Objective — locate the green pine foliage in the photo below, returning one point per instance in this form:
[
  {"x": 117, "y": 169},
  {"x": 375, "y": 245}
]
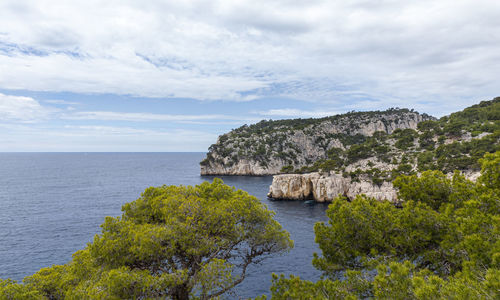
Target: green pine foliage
[
  {"x": 435, "y": 145},
  {"x": 174, "y": 242},
  {"x": 441, "y": 242}
]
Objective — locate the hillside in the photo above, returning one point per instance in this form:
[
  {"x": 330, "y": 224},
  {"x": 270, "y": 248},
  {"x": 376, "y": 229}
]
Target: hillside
[
  {"x": 273, "y": 147},
  {"x": 359, "y": 143},
  {"x": 453, "y": 142}
]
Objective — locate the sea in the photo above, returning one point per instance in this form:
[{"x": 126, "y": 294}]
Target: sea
[{"x": 52, "y": 204}]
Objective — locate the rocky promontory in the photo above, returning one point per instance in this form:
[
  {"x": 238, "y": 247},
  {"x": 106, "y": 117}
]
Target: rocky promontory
[{"x": 267, "y": 147}]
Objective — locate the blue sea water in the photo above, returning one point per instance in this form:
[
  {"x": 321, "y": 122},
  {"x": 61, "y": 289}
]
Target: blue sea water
[{"x": 51, "y": 205}]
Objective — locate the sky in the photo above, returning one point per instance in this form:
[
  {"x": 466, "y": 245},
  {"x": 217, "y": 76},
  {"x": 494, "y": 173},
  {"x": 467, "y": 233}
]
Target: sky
[{"x": 173, "y": 75}]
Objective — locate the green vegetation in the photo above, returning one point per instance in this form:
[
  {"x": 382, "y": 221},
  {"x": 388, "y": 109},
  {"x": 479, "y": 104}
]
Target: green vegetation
[
  {"x": 175, "y": 242},
  {"x": 422, "y": 149},
  {"x": 442, "y": 242},
  {"x": 404, "y": 138},
  {"x": 454, "y": 142},
  {"x": 269, "y": 126},
  {"x": 460, "y": 154}
]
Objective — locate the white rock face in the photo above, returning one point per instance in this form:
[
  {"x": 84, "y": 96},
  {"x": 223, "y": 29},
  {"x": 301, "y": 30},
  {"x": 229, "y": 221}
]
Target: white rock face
[
  {"x": 243, "y": 167},
  {"x": 325, "y": 187}
]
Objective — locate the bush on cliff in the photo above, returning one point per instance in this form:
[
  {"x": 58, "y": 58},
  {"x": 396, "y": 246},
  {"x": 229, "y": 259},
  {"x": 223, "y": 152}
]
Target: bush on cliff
[
  {"x": 443, "y": 243},
  {"x": 173, "y": 242}
]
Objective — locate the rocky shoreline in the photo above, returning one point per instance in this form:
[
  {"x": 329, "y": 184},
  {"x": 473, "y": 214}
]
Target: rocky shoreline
[{"x": 326, "y": 187}]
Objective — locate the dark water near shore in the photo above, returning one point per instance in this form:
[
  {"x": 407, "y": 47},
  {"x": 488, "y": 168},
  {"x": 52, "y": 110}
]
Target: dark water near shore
[{"x": 53, "y": 203}]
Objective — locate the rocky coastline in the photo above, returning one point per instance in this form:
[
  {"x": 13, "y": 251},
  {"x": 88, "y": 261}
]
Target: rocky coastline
[{"x": 326, "y": 187}]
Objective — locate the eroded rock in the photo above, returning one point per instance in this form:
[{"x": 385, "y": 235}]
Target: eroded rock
[{"x": 325, "y": 187}]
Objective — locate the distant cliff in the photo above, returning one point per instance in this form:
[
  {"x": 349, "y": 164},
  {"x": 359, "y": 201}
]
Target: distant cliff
[
  {"x": 358, "y": 152},
  {"x": 271, "y": 147}
]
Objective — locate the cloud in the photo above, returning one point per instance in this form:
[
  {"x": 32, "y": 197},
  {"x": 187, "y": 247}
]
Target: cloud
[
  {"x": 297, "y": 113},
  {"x": 21, "y": 109},
  {"x": 147, "y": 117},
  {"x": 324, "y": 51},
  {"x": 90, "y": 130},
  {"x": 62, "y": 102}
]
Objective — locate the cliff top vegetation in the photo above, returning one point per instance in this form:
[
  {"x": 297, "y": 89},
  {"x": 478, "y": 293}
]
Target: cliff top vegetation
[{"x": 267, "y": 126}]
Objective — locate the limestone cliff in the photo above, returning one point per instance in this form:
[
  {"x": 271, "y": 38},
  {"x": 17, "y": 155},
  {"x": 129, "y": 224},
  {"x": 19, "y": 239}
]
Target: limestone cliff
[
  {"x": 325, "y": 187},
  {"x": 267, "y": 147}
]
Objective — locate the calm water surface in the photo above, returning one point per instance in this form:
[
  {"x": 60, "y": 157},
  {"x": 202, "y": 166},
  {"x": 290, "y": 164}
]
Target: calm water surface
[{"x": 53, "y": 203}]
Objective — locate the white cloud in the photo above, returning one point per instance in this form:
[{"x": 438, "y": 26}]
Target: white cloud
[
  {"x": 90, "y": 130},
  {"x": 146, "y": 117},
  {"x": 21, "y": 109},
  {"x": 394, "y": 51},
  {"x": 62, "y": 102},
  {"x": 297, "y": 113}
]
